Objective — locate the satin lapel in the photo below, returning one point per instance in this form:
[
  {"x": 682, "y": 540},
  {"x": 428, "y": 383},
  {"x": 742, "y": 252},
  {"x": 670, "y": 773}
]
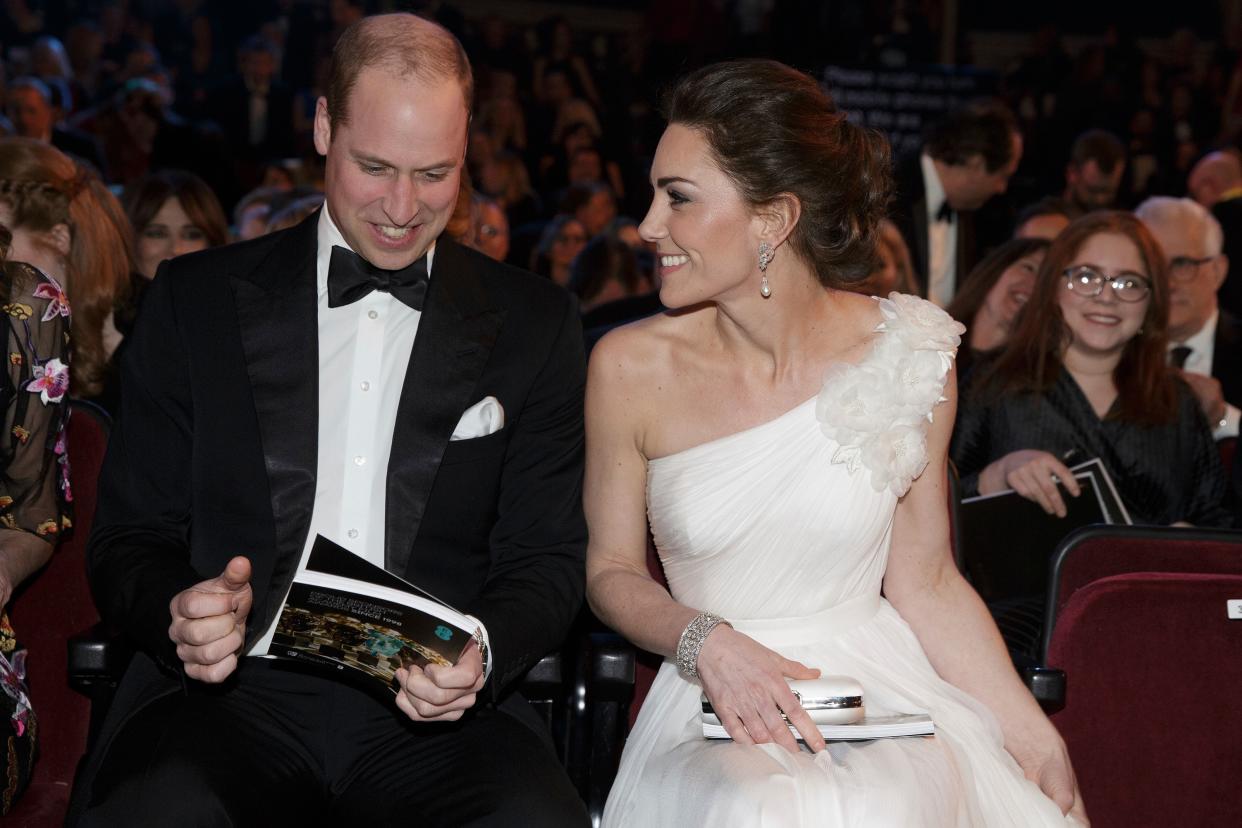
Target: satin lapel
[
  {"x": 277, "y": 312},
  {"x": 456, "y": 333}
]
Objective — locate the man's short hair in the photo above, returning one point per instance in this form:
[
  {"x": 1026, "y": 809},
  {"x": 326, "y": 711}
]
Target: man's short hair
[
  {"x": 1100, "y": 146},
  {"x": 1165, "y": 210},
  {"x": 1047, "y": 206},
  {"x": 983, "y": 128},
  {"x": 402, "y": 43},
  {"x": 258, "y": 43}
]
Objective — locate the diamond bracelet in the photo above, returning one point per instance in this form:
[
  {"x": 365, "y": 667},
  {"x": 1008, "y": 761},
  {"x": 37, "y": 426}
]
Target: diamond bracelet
[{"x": 691, "y": 642}]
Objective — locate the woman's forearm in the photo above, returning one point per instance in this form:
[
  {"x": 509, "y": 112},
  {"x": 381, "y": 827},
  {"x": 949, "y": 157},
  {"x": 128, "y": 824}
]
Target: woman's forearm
[
  {"x": 639, "y": 609},
  {"x": 963, "y": 644}
]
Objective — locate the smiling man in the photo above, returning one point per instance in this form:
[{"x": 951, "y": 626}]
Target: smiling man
[{"x": 359, "y": 377}]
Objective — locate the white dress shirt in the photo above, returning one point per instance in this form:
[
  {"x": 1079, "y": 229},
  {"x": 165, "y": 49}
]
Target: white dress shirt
[
  {"x": 941, "y": 238},
  {"x": 1202, "y": 350},
  {"x": 364, "y": 350}
]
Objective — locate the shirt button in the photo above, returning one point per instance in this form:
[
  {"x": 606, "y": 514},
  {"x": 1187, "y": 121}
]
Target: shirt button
[
  {"x": 353, "y": 533},
  {"x": 359, "y": 460},
  {"x": 373, "y": 314},
  {"x": 364, "y": 385}
]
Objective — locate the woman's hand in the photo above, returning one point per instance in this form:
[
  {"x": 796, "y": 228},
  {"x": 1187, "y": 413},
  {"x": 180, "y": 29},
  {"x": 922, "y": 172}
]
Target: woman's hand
[
  {"x": 1050, "y": 769},
  {"x": 745, "y": 682},
  {"x": 1032, "y": 474}
]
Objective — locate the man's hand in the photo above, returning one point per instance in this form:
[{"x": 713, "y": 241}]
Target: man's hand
[
  {"x": 441, "y": 694},
  {"x": 1207, "y": 392},
  {"x": 209, "y": 622}
]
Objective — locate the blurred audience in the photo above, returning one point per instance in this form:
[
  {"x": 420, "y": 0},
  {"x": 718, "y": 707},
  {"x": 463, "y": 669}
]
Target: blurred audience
[
  {"x": 489, "y": 228},
  {"x": 1095, "y": 169},
  {"x": 561, "y": 240},
  {"x": 606, "y": 270}
]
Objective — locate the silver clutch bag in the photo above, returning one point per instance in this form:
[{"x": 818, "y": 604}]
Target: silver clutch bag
[{"x": 828, "y": 700}]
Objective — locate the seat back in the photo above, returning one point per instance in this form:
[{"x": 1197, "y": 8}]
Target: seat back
[
  {"x": 1228, "y": 447},
  {"x": 55, "y": 604},
  {"x": 1096, "y": 552},
  {"x": 1151, "y": 719}
]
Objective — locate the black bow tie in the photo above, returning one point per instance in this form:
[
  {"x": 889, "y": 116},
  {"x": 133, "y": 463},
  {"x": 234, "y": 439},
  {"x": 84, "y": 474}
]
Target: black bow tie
[
  {"x": 351, "y": 277},
  {"x": 1179, "y": 355},
  {"x": 945, "y": 213}
]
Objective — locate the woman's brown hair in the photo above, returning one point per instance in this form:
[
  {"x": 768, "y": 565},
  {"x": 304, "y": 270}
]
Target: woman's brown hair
[
  {"x": 144, "y": 199},
  {"x": 775, "y": 131},
  {"x": 43, "y": 188},
  {"x": 1032, "y": 360}
]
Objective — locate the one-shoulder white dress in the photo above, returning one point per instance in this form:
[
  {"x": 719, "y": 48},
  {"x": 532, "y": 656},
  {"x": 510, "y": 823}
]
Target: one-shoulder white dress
[{"x": 785, "y": 529}]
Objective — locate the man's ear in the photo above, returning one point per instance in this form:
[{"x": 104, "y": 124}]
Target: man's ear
[
  {"x": 778, "y": 218},
  {"x": 1221, "y": 270},
  {"x": 323, "y": 126},
  {"x": 61, "y": 239}
]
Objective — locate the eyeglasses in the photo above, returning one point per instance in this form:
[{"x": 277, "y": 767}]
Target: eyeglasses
[
  {"x": 1184, "y": 269},
  {"x": 1087, "y": 281}
]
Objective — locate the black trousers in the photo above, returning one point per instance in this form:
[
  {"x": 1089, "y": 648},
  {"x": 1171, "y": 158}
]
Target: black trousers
[{"x": 278, "y": 747}]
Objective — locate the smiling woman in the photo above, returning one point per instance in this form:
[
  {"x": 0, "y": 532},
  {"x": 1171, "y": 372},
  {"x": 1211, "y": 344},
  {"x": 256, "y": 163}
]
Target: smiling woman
[
  {"x": 992, "y": 295},
  {"x": 1085, "y": 373}
]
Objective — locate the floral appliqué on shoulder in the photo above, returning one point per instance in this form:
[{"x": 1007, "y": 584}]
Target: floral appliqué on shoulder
[{"x": 878, "y": 410}]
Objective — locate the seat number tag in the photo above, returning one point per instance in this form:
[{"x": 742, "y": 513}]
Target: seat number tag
[{"x": 1234, "y": 607}]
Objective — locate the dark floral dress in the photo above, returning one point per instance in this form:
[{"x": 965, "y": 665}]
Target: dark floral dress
[{"x": 34, "y": 475}]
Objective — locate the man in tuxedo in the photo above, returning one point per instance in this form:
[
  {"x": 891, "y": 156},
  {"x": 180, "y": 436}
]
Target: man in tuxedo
[
  {"x": 361, "y": 377},
  {"x": 1205, "y": 342},
  {"x": 966, "y": 160},
  {"x": 1216, "y": 183},
  {"x": 255, "y": 111}
]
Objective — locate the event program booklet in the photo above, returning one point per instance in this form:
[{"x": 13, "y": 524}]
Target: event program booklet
[
  {"x": 1009, "y": 540},
  {"x": 345, "y": 613},
  {"x": 871, "y": 727}
]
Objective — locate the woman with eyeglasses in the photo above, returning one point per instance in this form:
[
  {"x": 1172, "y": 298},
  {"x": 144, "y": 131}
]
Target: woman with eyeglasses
[{"x": 1085, "y": 375}]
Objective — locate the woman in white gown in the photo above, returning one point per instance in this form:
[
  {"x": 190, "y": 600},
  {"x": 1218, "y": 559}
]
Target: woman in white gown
[{"x": 787, "y": 439}]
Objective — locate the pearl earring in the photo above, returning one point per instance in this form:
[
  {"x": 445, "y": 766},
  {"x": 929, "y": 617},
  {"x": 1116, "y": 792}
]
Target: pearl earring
[{"x": 765, "y": 258}]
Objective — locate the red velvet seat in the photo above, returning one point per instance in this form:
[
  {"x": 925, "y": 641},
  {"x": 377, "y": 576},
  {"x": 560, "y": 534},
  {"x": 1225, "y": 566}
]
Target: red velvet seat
[
  {"x": 55, "y": 604},
  {"x": 1096, "y": 552},
  {"x": 1152, "y": 717}
]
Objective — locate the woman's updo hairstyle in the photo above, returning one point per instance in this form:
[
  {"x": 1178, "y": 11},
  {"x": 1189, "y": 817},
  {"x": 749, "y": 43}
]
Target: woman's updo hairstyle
[{"x": 774, "y": 130}]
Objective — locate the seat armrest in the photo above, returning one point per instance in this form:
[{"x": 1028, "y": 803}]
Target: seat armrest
[
  {"x": 96, "y": 656},
  {"x": 1047, "y": 685}
]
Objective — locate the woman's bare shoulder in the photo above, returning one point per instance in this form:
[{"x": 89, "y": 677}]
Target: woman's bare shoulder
[{"x": 646, "y": 350}]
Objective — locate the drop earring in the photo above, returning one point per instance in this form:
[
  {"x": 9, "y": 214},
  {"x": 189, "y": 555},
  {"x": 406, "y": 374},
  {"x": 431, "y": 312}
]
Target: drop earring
[{"x": 765, "y": 258}]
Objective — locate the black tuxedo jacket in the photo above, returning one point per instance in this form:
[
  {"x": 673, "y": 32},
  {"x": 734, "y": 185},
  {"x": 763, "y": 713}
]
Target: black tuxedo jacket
[
  {"x": 214, "y": 453},
  {"x": 1229, "y": 214},
  {"x": 1227, "y": 357},
  {"x": 977, "y": 230}
]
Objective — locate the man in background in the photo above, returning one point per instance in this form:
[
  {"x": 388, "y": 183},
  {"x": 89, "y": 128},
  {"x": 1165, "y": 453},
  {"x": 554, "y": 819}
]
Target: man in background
[
  {"x": 940, "y": 193},
  {"x": 1205, "y": 342}
]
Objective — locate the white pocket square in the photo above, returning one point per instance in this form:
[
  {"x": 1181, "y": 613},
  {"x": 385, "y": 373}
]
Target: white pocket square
[{"x": 481, "y": 419}]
